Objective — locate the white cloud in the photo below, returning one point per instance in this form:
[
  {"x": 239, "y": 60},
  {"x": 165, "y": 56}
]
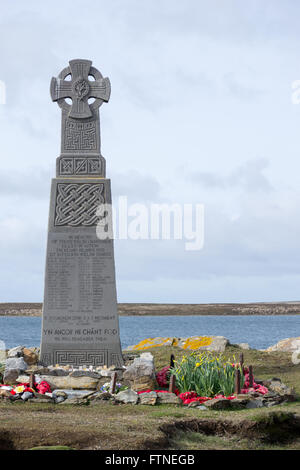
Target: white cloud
[{"x": 200, "y": 112}]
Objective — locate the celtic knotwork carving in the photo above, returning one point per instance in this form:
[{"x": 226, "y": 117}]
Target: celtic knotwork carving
[
  {"x": 79, "y": 166},
  {"x": 80, "y": 89},
  {"x": 80, "y": 136},
  {"x": 76, "y": 204},
  {"x": 79, "y": 357}
]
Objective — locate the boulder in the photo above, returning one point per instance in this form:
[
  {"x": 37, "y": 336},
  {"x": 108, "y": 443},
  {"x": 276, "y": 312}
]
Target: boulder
[
  {"x": 141, "y": 373},
  {"x": 15, "y": 352},
  {"x": 152, "y": 343},
  {"x": 168, "y": 398},
  {"x": 239, "y": 403},
  {"x": 288, "y": 344},
  {"x": 243, "y": 346},
  {"x": 79, "y": 383},
  {"x": 204, "y": 343},
  {"x": 280, "y": 389},
  {"x": 148, "y": 398},
  {"x": 127, "y": 396},
  {"x": 13, "y": 367},
  {"x": 30, "y": 356},
  {"x": 4, "y": 394},
  {"x": 16, "y": 363},
  {"x": 218, "y": 404}
]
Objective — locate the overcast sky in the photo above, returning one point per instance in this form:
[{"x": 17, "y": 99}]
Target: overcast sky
[{"x": 200, "y": 112}]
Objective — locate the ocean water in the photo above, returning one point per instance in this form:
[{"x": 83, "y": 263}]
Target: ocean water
[{"x": 259, "y": 331}]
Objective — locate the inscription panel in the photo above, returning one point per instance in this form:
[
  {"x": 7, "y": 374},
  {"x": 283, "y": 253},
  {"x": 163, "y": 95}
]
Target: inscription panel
[{"x": 80, "y": 321}]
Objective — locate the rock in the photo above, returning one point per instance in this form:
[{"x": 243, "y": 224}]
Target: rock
[
  {"x": 152, "y": 343},
  {"x": 243, "y": 346},
  {"x": 4, "y": 394},
  {"x": 15, "y": 352},
  {"x": 16, "y": 363},
  {"x": 100, "y": 396},
  {"x": 11, "y": 375},
  {"x": 59, "y": 393},
  {"x": 75, "y": 401},
  {"x": 204, "y": 343},
  {"x": 30, "y": 357},
  {"x": 85, "y": 373},
  {"x": 276, "y": 387},
  {"x": 36, "y": 369},
  {"x": 13, "y": 367},
  {"x": 239, "y": 403},
  {"x": 55, "y": 372},
  {"x": 141, "y": 373},
  {"x": 257, "y": 403},
  {"x": 38, "y": 400},
  {"x": 218, "y": 404},
  {"x": 288, "y": 344},
  {"x": 148, "y": 398},
  {"x": 127, "y": 396},
  {"x": 66, "y": 382},
  {"x": 26, "y": 395},
  {"x": 168, "y": 398},
  {"x": 70, "y": 393},
  {"x": 209, "y": 343},
  {"x": 59, "y": 399}
]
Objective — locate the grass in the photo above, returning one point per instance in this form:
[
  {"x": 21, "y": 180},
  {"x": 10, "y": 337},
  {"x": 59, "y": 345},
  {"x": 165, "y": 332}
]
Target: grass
[{"x": 108, "y": 426}]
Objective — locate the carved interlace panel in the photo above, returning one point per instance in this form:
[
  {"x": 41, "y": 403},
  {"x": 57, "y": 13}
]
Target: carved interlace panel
[
  {"x": 80, "y": 135},
  {"x": 81, "y": 357},
  {"x": 79, "y": 166},
  {"x": 77, "y": 203}
]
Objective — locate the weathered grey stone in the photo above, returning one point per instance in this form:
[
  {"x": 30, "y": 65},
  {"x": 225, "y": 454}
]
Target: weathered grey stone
[
  {"x": 149, "y": 398},
  {"x": 30, "y": 356},
  {"x": 59, "y": 399},
  {"x": 168, "y": 398},
  {"x": 16, "y": 363},
  {"x": 10, "y": 376},
  {"x": 70, "y": 393},
  {"x": 243, "y": 346},
  {"x": 127, "y": 396},
  {"x": 66, "y": 382},
  {"x": 85, "y": 373},
  {"x": 26, "y": 395},
  {"x": 288, "y": 344},
  {"x": 255, "y": 403},
  {"x": 141, "y": 373},
  {"x": 151, "y": 343},
  {"x": 218, "y": 404},
  {"x": 80, "y": 318},
  {"x": 239, "y": 403},
  {"x": 13, "y": 367},
  {"x": 204, "y": 343},
  {"x": 15, "y": 352}
]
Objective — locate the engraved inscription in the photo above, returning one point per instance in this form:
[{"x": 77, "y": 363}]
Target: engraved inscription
[{"x": 76, "y": 204}]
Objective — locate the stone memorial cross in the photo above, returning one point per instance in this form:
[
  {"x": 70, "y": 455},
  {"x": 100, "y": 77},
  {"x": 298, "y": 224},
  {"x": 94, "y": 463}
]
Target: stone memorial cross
[{"x": 80, "y": 321}]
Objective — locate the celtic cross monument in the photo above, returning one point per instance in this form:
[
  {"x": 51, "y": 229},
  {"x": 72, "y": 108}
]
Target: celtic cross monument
[{"x": 80, "y": 320}]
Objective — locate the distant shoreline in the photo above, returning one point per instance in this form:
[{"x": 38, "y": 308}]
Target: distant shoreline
[{"x": 141, "y": 309}]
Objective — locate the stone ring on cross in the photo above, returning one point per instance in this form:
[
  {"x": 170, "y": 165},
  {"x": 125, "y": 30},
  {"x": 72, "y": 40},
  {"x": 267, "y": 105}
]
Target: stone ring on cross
[{"x": 80, "y": 89}]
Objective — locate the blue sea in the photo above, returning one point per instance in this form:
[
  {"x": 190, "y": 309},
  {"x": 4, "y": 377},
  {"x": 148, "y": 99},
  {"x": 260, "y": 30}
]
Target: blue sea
[{"x": 259, "y": 331}]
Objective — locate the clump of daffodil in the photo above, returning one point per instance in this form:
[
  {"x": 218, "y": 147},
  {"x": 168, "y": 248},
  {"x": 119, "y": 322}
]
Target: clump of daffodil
[{"x": 206, "y": 374}]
